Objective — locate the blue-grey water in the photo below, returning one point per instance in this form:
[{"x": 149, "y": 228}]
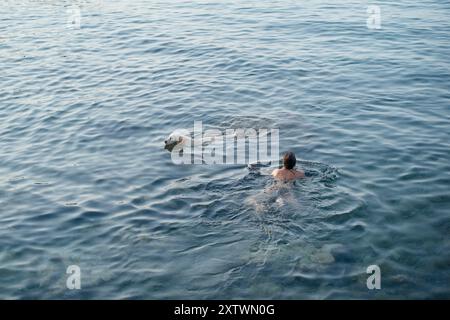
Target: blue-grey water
[{"x": 85, "y": 180}]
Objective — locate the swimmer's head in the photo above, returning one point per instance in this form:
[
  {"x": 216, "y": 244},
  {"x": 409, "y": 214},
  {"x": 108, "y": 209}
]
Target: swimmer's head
[{"x": 289, "y": 160}]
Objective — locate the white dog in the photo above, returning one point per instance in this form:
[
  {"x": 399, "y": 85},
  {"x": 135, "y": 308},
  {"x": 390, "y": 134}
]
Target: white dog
[{"x": 178, "y": 137}]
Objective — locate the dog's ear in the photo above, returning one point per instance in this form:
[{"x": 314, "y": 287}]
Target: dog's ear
[{"x": 180, "y": 139}]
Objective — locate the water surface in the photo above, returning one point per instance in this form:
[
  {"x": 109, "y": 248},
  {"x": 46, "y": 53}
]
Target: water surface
[{"x": 84, "y": 178}]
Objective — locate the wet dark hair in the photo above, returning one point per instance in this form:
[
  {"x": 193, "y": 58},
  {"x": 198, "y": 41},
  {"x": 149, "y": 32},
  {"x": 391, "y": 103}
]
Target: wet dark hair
[{"x": 289, "y": 160}]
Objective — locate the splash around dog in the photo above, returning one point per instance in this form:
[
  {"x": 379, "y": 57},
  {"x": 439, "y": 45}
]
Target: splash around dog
[{"x": 231, "y": 146}]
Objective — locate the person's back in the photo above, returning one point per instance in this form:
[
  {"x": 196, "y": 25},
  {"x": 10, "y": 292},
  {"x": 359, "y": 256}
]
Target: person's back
[{"x": 288, "y": 173}]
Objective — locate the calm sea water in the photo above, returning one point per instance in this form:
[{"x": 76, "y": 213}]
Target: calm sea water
[{"x": 84, "y": 178}]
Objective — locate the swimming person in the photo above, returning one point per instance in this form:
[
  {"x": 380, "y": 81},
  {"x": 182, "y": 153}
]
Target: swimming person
[{"x": 288, "y": 173}]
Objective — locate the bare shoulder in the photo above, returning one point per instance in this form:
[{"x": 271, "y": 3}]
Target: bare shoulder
[
  {"x": 299, "y": 174},
  {"x": 275, "y": 172}
]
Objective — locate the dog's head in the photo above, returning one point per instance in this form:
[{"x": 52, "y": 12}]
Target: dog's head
[{"x": 174, "y": 139}]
